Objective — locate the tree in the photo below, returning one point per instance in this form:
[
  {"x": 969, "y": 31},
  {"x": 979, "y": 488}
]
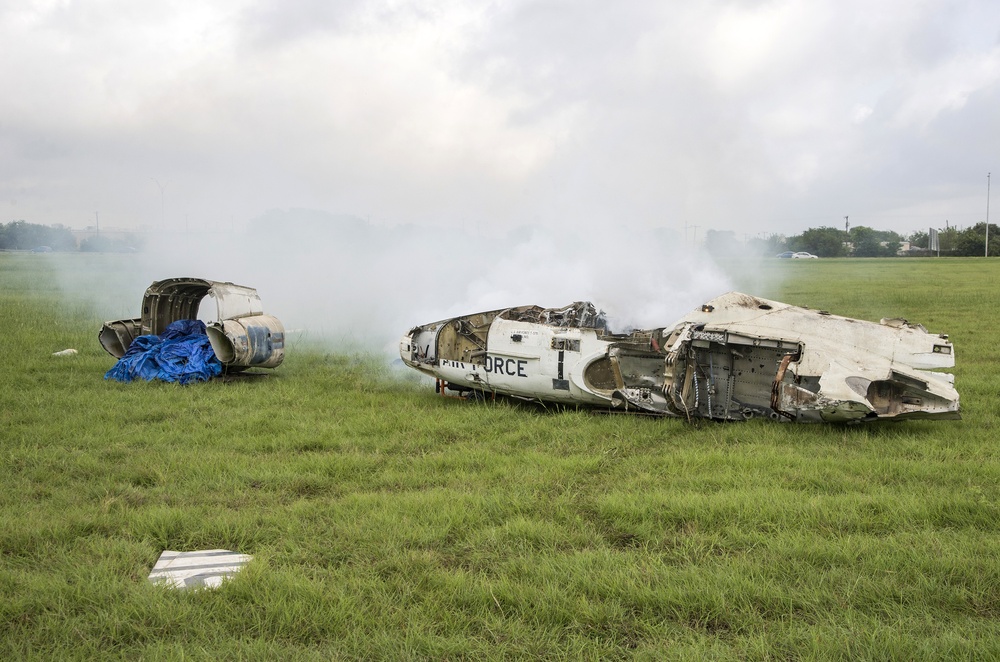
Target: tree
[
  {"x": 919, "y": 239},
  {"x": 869, "y": 242},
  {"x": 948, "y": 239},
  {"x": 722, "y": 243},
  {"x": 972, "y": 241},
  {"x": 824, "y": 242},
  {"x": 21, "y": 235},
  {"x": 769, "y": 245}
]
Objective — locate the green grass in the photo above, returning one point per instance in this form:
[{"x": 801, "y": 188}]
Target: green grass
[{"x": 389, "y": 523}]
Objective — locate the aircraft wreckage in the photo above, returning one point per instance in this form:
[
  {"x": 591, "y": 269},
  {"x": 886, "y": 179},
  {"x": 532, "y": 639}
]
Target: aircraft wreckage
[
  {"x": 735, "y": 358},
  {"x": 242, "y": 335}
]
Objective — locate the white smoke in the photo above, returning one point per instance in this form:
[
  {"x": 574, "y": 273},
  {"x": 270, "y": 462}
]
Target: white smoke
[{"x": 350, "y": 284}]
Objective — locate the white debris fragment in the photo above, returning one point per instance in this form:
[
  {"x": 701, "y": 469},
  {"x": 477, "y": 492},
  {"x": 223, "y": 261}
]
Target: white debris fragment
[
  {"x": 65, "y": 352},
  {"x": 205, "y": 568}
]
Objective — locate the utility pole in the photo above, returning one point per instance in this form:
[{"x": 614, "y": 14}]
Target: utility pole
[
  {"x": 987, "y": 253},
  {"x": 97, "y": 219}
]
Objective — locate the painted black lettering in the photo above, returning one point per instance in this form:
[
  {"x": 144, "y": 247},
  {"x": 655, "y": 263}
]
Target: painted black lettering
[{"x": 501, "y": 366}]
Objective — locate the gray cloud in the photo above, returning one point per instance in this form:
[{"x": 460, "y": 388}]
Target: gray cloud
[{"x": 765, "y": 116}]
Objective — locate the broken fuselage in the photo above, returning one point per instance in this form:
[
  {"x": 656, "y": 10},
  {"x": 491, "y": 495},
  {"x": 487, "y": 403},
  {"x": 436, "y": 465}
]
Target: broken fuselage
[
  {"x": 242, "y": 335},
  {"x": 736, "y": 357}
]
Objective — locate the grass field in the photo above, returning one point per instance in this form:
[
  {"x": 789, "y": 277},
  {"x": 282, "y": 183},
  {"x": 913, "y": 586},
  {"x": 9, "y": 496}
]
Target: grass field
[{"x": 388, "y": 523}]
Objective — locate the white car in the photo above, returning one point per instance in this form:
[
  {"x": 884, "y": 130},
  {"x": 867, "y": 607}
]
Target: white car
[{"x": 804, "y": 255}]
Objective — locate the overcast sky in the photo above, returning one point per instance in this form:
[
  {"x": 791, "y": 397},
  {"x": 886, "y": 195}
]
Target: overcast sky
[{"x": 751, "y": 116}]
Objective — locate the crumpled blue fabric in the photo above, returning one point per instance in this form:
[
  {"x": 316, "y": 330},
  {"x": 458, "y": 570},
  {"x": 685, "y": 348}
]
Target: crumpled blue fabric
[{"x": 181, "y": 354}]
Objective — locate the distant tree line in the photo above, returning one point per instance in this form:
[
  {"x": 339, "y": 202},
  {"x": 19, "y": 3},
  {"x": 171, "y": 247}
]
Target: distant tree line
[
  {"x": 21, "y": 235},
  {"x": 952, "y": 241},
  {"x": 859, "y": 241},
  {"x": 24, "y": 236}
]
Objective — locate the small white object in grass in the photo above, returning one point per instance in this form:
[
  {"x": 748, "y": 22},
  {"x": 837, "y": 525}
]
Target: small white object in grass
[
  {"x": 65, "y": 352},
  {"x": 205, "y": 568}
]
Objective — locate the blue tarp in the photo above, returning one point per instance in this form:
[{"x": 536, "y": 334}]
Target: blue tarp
[{"x": 182, "y": 354}]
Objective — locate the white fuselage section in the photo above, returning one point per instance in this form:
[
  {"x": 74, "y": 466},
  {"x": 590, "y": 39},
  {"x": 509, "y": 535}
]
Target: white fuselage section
[{"x": 521, "y": 359}]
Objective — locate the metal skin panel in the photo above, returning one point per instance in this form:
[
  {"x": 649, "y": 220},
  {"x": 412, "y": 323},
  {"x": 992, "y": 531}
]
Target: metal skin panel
[
  {"x": 529, "y": 365},
  {"x": 838, "y": 359},
  {"x": 518, "y": 357},
  {"x": 173, "y": 299},
  {"x": 233, "y": 301},
  {"x": 736, "y": 357},
  {"x": 116, "y": 336},
  {"x": 249, "y": 342}
]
